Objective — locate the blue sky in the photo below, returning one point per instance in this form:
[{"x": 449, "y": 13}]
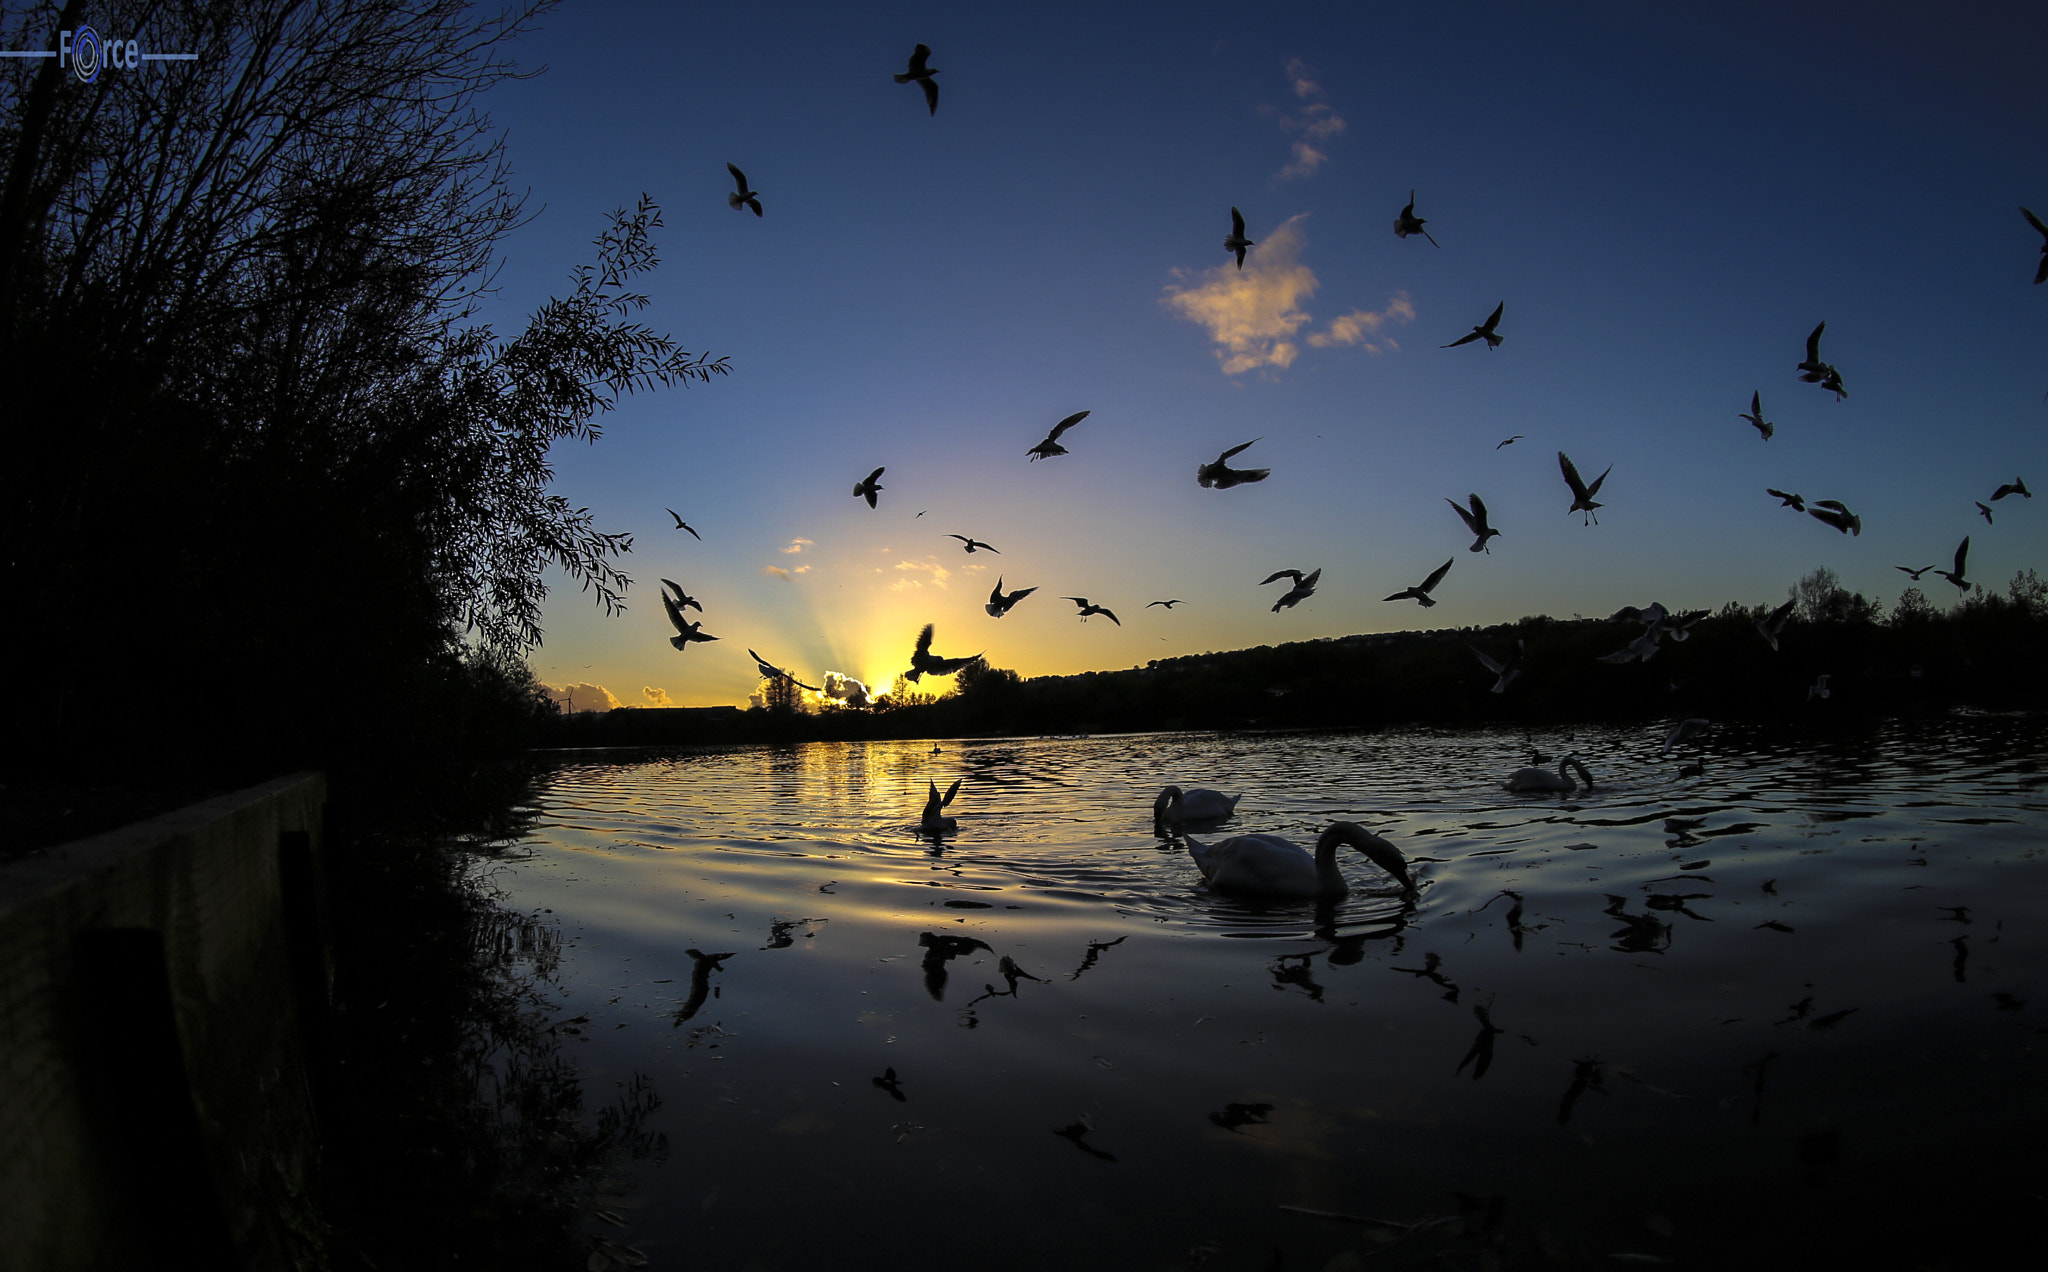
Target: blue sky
[{"x": 1666, "y": 203}]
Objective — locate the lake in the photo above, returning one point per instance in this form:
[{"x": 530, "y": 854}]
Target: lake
[{"x": 1782, "y": 1013}]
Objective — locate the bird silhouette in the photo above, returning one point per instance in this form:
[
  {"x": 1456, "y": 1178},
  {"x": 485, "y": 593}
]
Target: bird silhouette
[
  {"x": 686, "y": 632},
  {"x": 1956, "y": 576},
  {"x": 1304, "y": 587},
  {"x": 1836, "y": 513},
  {"x": 1913, "y": 572},
  {"x": 999, "y": 604},
  {"x": 972, "y": 544},
  {"x": 1051, "y": 445},
  {"x": 1237, "y": 242},
  {"x": 1770, "y": 626},
  {"x": 1984, "y": 509},
  {"x": 1484, "y": 331},
  {"x": 2041, "y": 274},
  {"x": 931, "y": 823},
  {"x": 1420, "y": 592},
  {"x": 1582, "y": 494},
  {"x": 1505, "y": 671},
  {"x": 1088, "y": 607},
  {"x": 2017, "y": 486},
  {"x": 1537, "y": 781},
  {"x": 1408, "y": 223},
  {"x": 924, "y": 662},
  {"x": 870, "y": 487},
  {"x": 918, "y": 71},
  {"x": 682, "y": 525},
  {"x": 1814, "y": 371},
  {"x": 1512, "y": 440},
  {"x": 742, "y": 197},
  {"x": 1168, "y": 604},
  {"x": 1796, "y": 503},
  {"x": 1221, "y": 476},
  {"x": 1269, "y": 866},
  {"x": 683, "y": 599},
  {"x": 1684, "y": 731},
  {"x": 773, "y": 672},
  {"x": 1475, "y": 521},
  {"x": 1197, "y": 803},
  {"x": 1756, "y": 415}
]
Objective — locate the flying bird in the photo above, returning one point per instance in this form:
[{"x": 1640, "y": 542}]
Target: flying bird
[
  {"x": 1237, "y": 242},
  {"x": 1516, "y": 438},
  {"x": 1304, "y": 587},
  {"x": 1913, "y": 572},
  {"x": 1836, "y": 513},
  {"x": 871, "y": 487},
  {"x": 1756, "y": 415},
  {"x": 773, "y": 672},
  {"x": 972, "y": 544},
  {"x": 1088, "y": 607},
  {"x": 1051, "y": 445},
  {"x": 923, "y": 662},
  {"x": 931, "y": 823},
  {"x": 1985, "y": 509},
  {"x": 683, "y": 599},
  {"x": 1420, "y": 592},
  {"x": 1684, "y": 731},
  {"x": 1170, "y": 604},
  {"x": 1814, "y": 371},
  {"x": 1796, "y": 503},
  {"x": 686, "y": 631},
  {"x": 1962, "y": 550},
  {"x": 1409, "y": 223},
  {"x": 742, "y": 197},
  {"x": 1221, "y": 476},
  {"x": 1770, "y": 627},
  {"x": 918, "y": 71},
  {"x": 1475, "y": 521},
  {"x": 1484, "y": 331},
  {"x": 999, "y": 604},
  {"x": 2041, "y": 274},
  {"x": 1506, "y": 671},
  {"x": 682, "y": 525},
  {"x": 1582, "y": 494},
  {"x": 2017, "y": 486}
]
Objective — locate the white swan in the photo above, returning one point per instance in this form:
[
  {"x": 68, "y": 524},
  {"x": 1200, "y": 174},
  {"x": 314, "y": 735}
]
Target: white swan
[
  {"x": 1535, "y": 780},
  {"x": 1267, "y": 865},
  {"x": 1198, "y": 804}
]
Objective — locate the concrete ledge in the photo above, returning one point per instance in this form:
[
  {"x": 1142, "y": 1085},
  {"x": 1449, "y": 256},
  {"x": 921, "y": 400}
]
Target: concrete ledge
[{"x": 157, "y": 983}]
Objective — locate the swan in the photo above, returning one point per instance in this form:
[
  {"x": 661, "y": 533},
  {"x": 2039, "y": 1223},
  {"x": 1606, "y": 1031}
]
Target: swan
[
  {"x": 1267, "y": 865},
  {"x": 1198, "y": 804},
  {"x": 933, "y": 824},
  {"x": 1543, "y": 781}
]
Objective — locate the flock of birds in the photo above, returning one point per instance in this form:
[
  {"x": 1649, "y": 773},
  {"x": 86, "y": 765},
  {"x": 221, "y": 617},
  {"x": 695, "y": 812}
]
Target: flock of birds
[{"x": 1219, "y": 475}]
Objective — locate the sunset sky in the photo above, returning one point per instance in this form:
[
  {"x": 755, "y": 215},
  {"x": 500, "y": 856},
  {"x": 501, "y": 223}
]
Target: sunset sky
[{"x": 1666, "y": 202}]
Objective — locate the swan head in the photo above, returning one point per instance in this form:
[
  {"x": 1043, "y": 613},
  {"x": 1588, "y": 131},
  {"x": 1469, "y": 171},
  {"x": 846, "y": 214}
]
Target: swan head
[
  {"x": 1167, "y": 799},
  {"x": 1379, "y": 851}
]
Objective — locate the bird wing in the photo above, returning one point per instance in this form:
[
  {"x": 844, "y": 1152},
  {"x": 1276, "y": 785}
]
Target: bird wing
[
  {"x": 1571, "y": 476},
  {"x": 1813, "y": 343},
  {"x": 1459, "y": 341},
  {"x": 1021, "y": 593},
  {"x": 1066, "y": 424},
  {"x": 738, "y": 176},
  {"x": 1486, "y": 661},
  {"x": 875, "y": 476},
  {"x": 1236, "y": 223},
  {"x": 951, "y": 791},
  {"x": 675, "y": 614},
  {"x": 1081, "y": 601},
  {"x": 1409, "y": 211},
  {"x": 1494, "y": 317},
  {"x": 1756, "y": 404},
  {"x": 1962, "y": 550},
  {"x": 1773, "y": 490},
  {"x": 924, "y": 641},
  {"x": 1480, "y": 508},
  {"x": 1594, "y": 489},
  {"x": 917, "y": 59},
  {"x": 963, "y": 538},
  {"x": 1309, "y": 583},
  {"x": 1836, "y": 504},
  {"x": 1516, "y": 438},
  {"x": 1235, "y": 449},
  {"x": 995, "y": 594},
  {"x": 1779, "y": 614},
  {"x": 2035, "y": 221},
  {"x": 931, "y": 95},
  {"x": 1108, "y": 615},
  {"x": 1277, "y": 574},
  {"x": 1471, "y": 522},
  {"x": 1436, "y": 576}
]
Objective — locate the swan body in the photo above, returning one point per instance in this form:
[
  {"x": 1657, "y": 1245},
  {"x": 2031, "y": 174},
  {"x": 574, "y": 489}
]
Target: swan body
[
  {"x": 1542, "y": 781},
  {"x": 1267, "y": 865},
  {"x": 1197, "y": 804}
]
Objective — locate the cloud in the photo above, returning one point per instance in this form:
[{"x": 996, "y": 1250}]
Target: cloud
[
  {"x": 584, "y": 696},
  {"x": 796, "y": 546},
  {"x": 1251, "y": 313},
  {"x": 659, "y": 697},
  {"x": 775, "y": 570},
  {"x": 1312, "y": 126},
  {"x": 844, "y": 688},
  {"x": 1360, "y": 325},
  {"x": 935, "y": 573}
]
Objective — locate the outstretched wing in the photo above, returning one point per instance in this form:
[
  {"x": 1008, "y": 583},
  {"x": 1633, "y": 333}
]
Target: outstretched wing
[
  {"x": 1436, "y": 576},
  {"x": 1111, "y": 617},
  {"x": 1066, "y": 424},
  {"x": 1494, "y": 317},
  {"x": 738, "y": 176},
  {"x": 1236, "y": 224},
  {"x": 917, "y": 59},
  {"x": 1277, "y": 574},
  {"x": 675, "y": 614},
  {"x": 2035, "y": 221},
  {"x": 1021, "y": 593},
  {"x": 1486, "y": 661},
  {"x": 951, "y": 791},
  {"x": 1594, "y": 489},
  {"x": 924, "y": 641},
  {"x": 1235, "y": 449},
  {"x": 1571, "y": 476},
  {"x": 1309, "y": 582},
  {"x": 1962, "y": 550},
  {"x": 1460, "y": 340},
  {"x": 1813, "y": 343},
  {"x": 1471, "y": 522},
  {"x": 931, "y": 95}
]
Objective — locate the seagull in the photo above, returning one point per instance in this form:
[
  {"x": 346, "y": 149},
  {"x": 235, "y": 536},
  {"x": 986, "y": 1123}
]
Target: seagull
[
  {"x": 1483, "y": 331},
  {"x": 1087, "y": 608},
  {"x": 931, "y": 823},
  {"x": 1796, "y": 503},
  {"x": 1237, "y": 242},
  {"x": 1170, "y": 604},
  {"x": 1962, "y": 550},
  {"x": 1409, "y": 223},
  {"x": 1516, "y": 438},
  {"x": 972, "y": 544},
  {"x": 683, "y": 599},
  {"x": 1985, "y": 508},
  {"x": 1680, "y": 627},
  {"x": 917, "y": 70},
  {"x": 871, "y": 487},
  {"x": 774, "y": 672},
  {"x": 681, "y": 525},
  {"x": 1475, "y": 521},
  {"x": 1814, "y": 371},
  {"x": 1770, "y": 627},
  {"x": 742, "y": 197},
  {"x": 1420, "y": 592},
  {"x": 1683, "y": 731},
  {"x": 923, "y": 662},
  {"x": 1818, "y": 689},
  {"x": 1913, "y": 572},
  {"x": 1836, "y": 513},
  {"x": 1221, "y": 476},
  {"x": 1756, "y": 415},
  {"x": 1051, "y": 445},
  {"x": 1304, "y": 586},
  {"x": 686, "y": 631},
  {"x": 1506, "y": 671},
  {"x": 2040, "y": 275},
  {"x": 2018, "y": 486},
  {"x": 998, "y": 604},
  {"x": 1582, "y": 494}
]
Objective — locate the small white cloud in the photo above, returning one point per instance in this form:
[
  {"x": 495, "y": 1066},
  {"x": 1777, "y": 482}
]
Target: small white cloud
[
  {"x": 796, "y": 546},
  {"x": 1312, "y": 126},
  {"x": 802, "y": 569},
  {"x": 659, "y": 697},
  {"x": 775, "y": 570},
  {"x": 1361, "y": 326},
  {"x": 934, "y": 573},
  {"x": 1251, "y": 313}
]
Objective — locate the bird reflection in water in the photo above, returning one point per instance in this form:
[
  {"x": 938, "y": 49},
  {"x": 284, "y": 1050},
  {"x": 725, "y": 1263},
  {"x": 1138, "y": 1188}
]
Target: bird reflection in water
[
  {"x": 1078, "y": 1132},
  {"x": 938, "y": 949},
  {"x": 1676, "y": 901},
  {"x": 1639, "y": 933},
  {"x": 1428, "y": 971},
  {"x": 1515, "y": 929},
  {"x": 1011, "y": 975},
  {"x": 1095, "y": 949},
  {"x": 1286, "y": 971},
  {"x": 892, "y": 1084},
  {"x": 1480, "y": 1054},
  {"x": 702, "y": 965},
  {"x": 1587, "y": 1075},
  {"x": 779, "y": 930}
]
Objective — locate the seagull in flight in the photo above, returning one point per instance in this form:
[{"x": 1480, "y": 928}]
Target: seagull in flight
[
  {"x": 1484, "y": 331},
  {"x": 682, "y": 525},
  {"x": 773, "y": 672},
  {"x": 1985, "y": 509},
  {"x": 1221, "y": 476},
  {"x": 918, "y": 71},
  {"x": 1771, "y": 626},
  {"x": 1051, "y": 445},
  {"x": 1088, "y": 607},
  {"x": 1507, "y": 671},
  {"x": 1956, "y": 577},
  {"x": 1756, "y": 415},
  {"x": 1237, "y": 242},
  {"x": 1409, "y": 223},
  {"x": 923, "y": 662},
  {"x": 1836, "y": 513},
  {"x": 1475, "y": 521},
  {"x": 1913, "y": 573},
  {"x": 1582, "y": 494},
  {"x": 686, "y": 631},
  {"x": 999, "y": 604},
  {"x": 1516, "y": 438},
  {"x": 2017, "y": 486},
  {"x": 871, "y": 487},
  {"x": 1420, "y": 592},
  {"x": 742, "y": 197},
  {"x": 972, "y": 544},
  {"x": 1796, "y": 503},
  {"x": 1304, "y": 587},
  {"x": 683, "y": 599},
  {"x": 1814, "y": 371},
  {"x": 2040, "y": 275},
  {"x": 1170, "y": 604}
]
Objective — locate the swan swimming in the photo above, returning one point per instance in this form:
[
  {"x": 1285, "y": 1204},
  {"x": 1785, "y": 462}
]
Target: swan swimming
[
  {"x": 1267, "y": 865},
  {"x": 1543, "y": 781},
  {"x": 1196, "y": 804}
]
